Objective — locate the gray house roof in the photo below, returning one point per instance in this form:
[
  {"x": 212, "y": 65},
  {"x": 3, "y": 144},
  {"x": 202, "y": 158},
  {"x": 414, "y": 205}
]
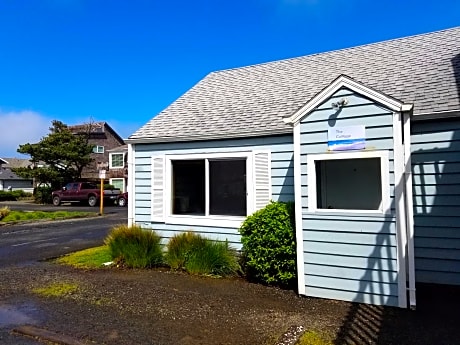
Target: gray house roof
[
  {"x": 8, "y": 174},
  {"x": 423, "y": 70}
]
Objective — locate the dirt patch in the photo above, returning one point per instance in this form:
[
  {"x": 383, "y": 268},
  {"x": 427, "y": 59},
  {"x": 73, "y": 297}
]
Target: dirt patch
[{"x": 113, "y": 306}]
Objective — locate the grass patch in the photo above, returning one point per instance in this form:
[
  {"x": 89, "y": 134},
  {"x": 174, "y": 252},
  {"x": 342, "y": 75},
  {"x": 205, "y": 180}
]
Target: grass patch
[
  {"x": 88, "y": 258},
  {"x": 56, "y": 290},
  {"x": 313, "y": 338},
  {"x": 13, "y": 216},
  {"x": 135, "y": 247}
]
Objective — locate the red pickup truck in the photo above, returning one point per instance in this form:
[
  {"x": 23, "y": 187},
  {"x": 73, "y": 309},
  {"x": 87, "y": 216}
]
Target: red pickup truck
[{"x": 83, "y": 192}]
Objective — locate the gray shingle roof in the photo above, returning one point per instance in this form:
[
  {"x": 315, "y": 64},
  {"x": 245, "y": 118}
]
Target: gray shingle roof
[{"x": 250, "y": 101}]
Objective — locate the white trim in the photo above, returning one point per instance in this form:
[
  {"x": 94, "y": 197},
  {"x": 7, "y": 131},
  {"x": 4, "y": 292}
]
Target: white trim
[
  {"x": 409, "y": 210},
  {"x": 207, "y": 219},
  {"x": 384, "y": 175},
  {"x": 399, "y": 205},
  {"x": 111, "y": 160},
  {"x": 131, "y": 179},
  {"x": 345, "y": 81},
  {"x": 298, "y": 211},
  {"x": 217, "y": 221}
]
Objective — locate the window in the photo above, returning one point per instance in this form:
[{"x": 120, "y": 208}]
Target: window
[
  {"x": 98, "y": 149},
  {"x": 86, "y": 185},
  {"x": 117, "y": 160},
  {"x": 212, "y": 189},
  {"x": 348, "y": 182},
  {"x": 118, "y": 183},
  {"x": 219, "y": 182}
]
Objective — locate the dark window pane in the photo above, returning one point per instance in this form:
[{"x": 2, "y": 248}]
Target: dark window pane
[
  {"x": 227, "y": 187},
  {"x": 188, "y": 187},
  {"x": 349, "y": 184}
]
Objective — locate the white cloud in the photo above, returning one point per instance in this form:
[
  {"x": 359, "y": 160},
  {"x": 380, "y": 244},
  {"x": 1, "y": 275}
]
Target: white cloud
[{"x": 21, "y": 127}]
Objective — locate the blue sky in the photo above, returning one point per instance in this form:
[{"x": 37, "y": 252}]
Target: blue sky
[{"x": 124, "y": 61}]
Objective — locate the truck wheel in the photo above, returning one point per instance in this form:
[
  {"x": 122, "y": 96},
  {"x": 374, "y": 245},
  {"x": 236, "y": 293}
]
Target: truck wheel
[
  {"x": 56, "y": 201},
  {"x": 122, "y": 202},
  {"x": 92, "y": 201}
]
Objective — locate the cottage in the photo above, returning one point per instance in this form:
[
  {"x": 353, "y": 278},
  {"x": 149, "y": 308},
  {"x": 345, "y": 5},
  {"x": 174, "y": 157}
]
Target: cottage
[
  {"x": 366, "y": 140},
  {"x": 9, "y": 181}
]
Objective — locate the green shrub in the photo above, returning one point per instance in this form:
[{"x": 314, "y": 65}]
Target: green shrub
[
  {"x": 198, "y": 255},
  {"x": 269, "y": 252},
  {"x": 42, "y": 195},
  {"x": 4, "y": 212},
  {"x": 8, "y": 195},
  {"x": 135, "y": 247}
]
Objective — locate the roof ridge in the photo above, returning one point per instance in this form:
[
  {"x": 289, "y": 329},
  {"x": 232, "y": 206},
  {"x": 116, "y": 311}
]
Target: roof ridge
[{"x": 337, "y": 50}]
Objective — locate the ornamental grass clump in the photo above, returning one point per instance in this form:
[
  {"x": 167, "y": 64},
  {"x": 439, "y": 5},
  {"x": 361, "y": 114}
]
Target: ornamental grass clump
[
  {"x": 134, "y": 247},
  {"x": 198, "y": 255},
  {"x": 268, "y": 237},
  {"x": 4, "y": 211}
]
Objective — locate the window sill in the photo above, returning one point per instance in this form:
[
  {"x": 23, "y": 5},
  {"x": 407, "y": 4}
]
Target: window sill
[
  {"x": 217, "y": 221},
  {"x": 350, "y": 213}
]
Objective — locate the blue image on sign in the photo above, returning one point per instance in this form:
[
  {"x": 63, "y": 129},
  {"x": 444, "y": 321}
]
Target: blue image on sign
[{"x": 346, "y": 138}]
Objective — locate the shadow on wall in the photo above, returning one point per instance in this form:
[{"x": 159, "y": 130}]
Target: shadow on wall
[
  {"x": 436, "y": 189},
  {"x": 286, "y": 192}
]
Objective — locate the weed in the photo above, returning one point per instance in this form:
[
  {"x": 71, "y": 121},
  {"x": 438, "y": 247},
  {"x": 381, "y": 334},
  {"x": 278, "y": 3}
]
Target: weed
[
  {"x": 313, "y": 338},
  {"x": 57, "y": 290}
]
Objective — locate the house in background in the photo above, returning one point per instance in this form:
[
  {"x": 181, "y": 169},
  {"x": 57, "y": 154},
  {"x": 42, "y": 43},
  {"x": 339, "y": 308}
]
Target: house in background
[
  {"x": 104, "y": 139},
  {"x": 366, "y": 140},
  {"x": 9, "y": 180},
  {"x": 118, "y": 167}
]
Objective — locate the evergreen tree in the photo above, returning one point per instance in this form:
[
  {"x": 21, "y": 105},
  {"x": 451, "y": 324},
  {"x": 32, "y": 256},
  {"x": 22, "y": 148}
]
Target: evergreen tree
[{"x": 61, "y": 155}]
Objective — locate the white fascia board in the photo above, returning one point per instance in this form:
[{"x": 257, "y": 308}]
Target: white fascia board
[
  {"x": 298, "y": 211},
  {"x": 409, "y": 210},
  {"x": 399, "y": 205},
  {"x": 131, "y": 178},
  {"x": 344, "y": 81}
]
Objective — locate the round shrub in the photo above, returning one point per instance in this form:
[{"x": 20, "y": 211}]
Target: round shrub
[{"x": 269, "y": 251}]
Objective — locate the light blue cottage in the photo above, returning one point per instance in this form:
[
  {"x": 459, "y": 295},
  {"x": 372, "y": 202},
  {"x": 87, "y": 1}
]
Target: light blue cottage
[
  {"x": 366, "y": 140},
  {"x": 353, "y": 213}
]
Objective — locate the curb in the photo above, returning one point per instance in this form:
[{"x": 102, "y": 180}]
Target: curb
[{"x": 48, "y": 336}]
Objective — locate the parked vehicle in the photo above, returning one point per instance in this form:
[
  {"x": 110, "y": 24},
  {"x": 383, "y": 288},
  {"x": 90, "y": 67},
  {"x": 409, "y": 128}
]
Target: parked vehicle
[
  {"x": 122, "y": 199},
  {"x": 83, "y": 192}
]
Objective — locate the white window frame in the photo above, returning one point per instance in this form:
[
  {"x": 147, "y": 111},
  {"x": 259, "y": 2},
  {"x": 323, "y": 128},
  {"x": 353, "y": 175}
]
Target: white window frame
[
  {"x": 207, "y": 219},
  {"x": 384, "y": 175},
  {"x": 111, "y": 160},
  {"x": 98, "y": 149},
  {"x": 118, "y": 178}
]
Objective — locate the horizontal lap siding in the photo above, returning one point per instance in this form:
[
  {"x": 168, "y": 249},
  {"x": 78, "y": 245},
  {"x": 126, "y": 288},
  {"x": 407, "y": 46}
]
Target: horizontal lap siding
[
  {"x": 349, "y": 256},
  {"x": 436, "y": 187},
  {"x": 282, "y": 178}
]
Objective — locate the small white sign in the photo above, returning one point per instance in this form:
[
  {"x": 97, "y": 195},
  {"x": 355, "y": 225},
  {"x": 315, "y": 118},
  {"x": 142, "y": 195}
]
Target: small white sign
[
  {"x": 102, "y": 174},
  {"x": 346, "y": 138}
]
